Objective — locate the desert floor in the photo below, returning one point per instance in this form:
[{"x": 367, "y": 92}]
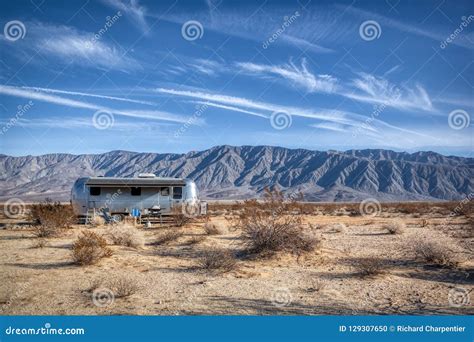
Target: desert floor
[{"x": 168, "y": 281}]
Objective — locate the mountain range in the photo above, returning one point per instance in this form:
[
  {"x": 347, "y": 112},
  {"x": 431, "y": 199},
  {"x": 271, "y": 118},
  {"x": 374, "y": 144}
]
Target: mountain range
[{"x": 230, "y": 172}]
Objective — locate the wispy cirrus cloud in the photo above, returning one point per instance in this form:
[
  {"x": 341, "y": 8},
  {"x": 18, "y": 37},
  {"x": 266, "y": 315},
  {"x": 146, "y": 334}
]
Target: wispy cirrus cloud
[
  {"x": 378, "y": 90},
  {"x": 299, "y": 76},
  {"x": 136, "y": 12},
  {"x": 62, "y": 101},
  {"x": 265, "y": 109},
  {"x": 365, "y": 87},
  {"x": 77, "y": 93},
  {"x": 464, "y": 40},
  {"x": 70, "y": 45}
]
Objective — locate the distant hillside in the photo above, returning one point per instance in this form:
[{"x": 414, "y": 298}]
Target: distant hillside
[{"x": 227, "y": 172}]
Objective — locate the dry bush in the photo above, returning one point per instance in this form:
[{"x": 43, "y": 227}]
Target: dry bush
[
  {"x": 194, "y": 240},
  {"x": 97, "y": 221},
  {"x": 178, "y": 216},
  {"x": 120, "y": 285},
  {"x": 266, "y": 229},
  {"x": 39, "y": 243},
  {"x": 217, "y": 260},
  {"x": 123, "y": 286},
  {"x": 51, "y": 217},
  {"x": 167, "y": 237},
  {"x": 89, "y": 248},
  {"x": 395, "y": 227},
  {"x": 338, "y": 228},
  {"x": 370, "y": 266},
  {"x": 212, "y": 229},
  {"x": 126, "y": 235},
  {"x": 434, "y": 253}
]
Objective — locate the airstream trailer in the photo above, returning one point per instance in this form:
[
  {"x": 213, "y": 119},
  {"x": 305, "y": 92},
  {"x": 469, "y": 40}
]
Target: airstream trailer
[{"x": 145, "y": 195}]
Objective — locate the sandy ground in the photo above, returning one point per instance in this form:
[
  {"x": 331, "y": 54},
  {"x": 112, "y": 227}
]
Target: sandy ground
[{"x": 44, "y": 281}]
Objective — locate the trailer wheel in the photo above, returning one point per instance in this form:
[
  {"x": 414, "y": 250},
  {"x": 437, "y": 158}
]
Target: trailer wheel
[{"x": 117, "y": 218}]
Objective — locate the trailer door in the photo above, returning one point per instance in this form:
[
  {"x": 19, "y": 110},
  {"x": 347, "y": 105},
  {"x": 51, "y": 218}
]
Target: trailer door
[{"x": 165, "y": 199}]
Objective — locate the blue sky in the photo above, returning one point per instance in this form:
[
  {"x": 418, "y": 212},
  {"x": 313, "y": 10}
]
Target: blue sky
[{"x": 177, "y": 76}]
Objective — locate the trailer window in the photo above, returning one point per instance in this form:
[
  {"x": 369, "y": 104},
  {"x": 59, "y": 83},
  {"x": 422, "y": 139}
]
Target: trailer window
[
  {"x": 136, "y": 191},
  {"x": 177, "y": 192},
  {"x": 165, "y": 191},
  {"x": 94, "y": 191}
]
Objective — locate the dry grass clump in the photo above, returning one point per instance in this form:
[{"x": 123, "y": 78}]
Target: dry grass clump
[
  {"x": 434, "y": 253},
  {"x": 90, "y": 248},
  {"x": 123, "y": 286},
  {"x": 212, "y": 229},
  {"x": 178, "y": 216},
  {"x": 267, "y": 229},
  {"x": 220, "y": 260},
  {"x": 338, "y": 228},
  {"x": 126, "y": 235},
  {"x": 369, "y": 267},
  {"x": 196, "y": 239},
  {"x": 395, "y": 227},
  {"x": 97, "y": 221},
  {"x": 167, "y": 237},
  {"x": 51, "y": 218},
  {"x": 39, "y": 243}
]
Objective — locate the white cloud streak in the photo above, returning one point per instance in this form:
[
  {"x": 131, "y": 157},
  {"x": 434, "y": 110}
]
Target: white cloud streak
[
  {"x": 299, "y": 76},
  {"x": 76, "y": 93},
  {"x": 53, "y": 99}
]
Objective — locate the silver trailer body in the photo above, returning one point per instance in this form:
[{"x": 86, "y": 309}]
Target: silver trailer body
[{"x": 124, "y": 196}]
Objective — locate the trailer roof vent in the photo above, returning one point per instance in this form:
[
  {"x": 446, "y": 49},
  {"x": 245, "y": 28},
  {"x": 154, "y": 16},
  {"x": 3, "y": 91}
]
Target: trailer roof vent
[{"x": 146, "y": 175}]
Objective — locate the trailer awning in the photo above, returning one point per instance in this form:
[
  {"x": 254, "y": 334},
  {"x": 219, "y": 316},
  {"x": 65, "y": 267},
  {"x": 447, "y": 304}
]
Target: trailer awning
[{"x": 128, "y": 182}]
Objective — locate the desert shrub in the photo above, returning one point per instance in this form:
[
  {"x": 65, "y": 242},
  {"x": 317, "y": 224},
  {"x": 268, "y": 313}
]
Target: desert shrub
[
  {"x": 212, "y": 229},
  {"x": 89, "y": 248},
  {"x": 266, "y": 229},
  {"x": 126, "y": 235},
  {"x": 178, "y": 216},
  {"x": 51, "y": 217},
  {"x": 395, "y": 227},
  {"x": 120, "y": 285},
  {"x": 97, "y": 220},
  {"x": 338, "y": 228},
  {"x": 167, "y": 237},
  {"x": 39, "y": 243},
  {"x": 217, "y": 260},
  {"x": 123, "y": 286},
  {"x": 194, "y": 240},
  {"x": 368, "y": 267},
  {"x": 434, "y": 253}
]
